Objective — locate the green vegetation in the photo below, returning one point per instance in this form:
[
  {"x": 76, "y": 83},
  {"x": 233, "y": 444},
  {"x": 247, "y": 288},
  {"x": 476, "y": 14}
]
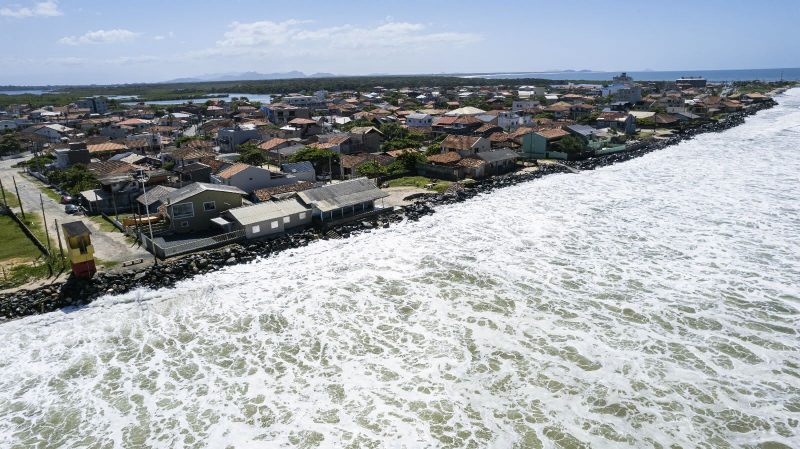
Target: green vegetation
[
  {"x": 16, "y": 245},
  {"x": 398, "y": 138},
  {"x": 187, "y": 91},
  {"x": 11, "y": 199},
  {"x": 319, "y": 158},
  {"x": 357, "y": 123},
  {"x": 74, "y": 179},
  {"x": 571, "y": 145},
  {"x": 419, "y": 182},
  {"x": 9, "y": 144},
  {"x": 250, "y": 154}
]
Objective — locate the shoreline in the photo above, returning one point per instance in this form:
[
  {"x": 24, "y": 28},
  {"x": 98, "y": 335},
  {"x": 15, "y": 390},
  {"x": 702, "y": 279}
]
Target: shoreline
[{"x": 76, "y": 293}]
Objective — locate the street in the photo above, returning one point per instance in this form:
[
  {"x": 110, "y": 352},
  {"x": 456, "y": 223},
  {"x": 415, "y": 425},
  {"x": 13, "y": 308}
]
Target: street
[{"x": 108, "y": 246}]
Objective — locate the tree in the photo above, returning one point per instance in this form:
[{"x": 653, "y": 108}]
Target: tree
[
  {"x": 571, "y": 145},
  {"x": 407, "y": 162},
  {"x": 74, "y": 179},
  {"x": 250, "y": 154},
  {"x": 319, "y": 158},
  {"x": 371, "y": 169},
  {"x": 9, "y": 144}
]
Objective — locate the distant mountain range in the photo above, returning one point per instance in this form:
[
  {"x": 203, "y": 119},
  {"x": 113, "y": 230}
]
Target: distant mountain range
[{"x": 250, "y": 76}]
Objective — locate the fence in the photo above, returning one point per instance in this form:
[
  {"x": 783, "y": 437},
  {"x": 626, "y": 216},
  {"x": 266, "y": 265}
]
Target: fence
[{"x": 191, "y": 246}]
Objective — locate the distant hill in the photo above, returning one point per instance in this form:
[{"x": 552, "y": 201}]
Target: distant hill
[{"x": 250, "y": 76}]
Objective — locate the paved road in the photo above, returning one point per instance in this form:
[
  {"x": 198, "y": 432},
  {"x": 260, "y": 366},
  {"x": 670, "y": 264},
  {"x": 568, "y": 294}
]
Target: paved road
[{"x": 108, "y": 246}]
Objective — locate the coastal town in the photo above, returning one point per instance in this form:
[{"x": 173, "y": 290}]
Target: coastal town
[{"x": 105, "y": 184}]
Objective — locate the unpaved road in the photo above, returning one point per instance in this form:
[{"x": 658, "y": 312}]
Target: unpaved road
[{"x": 108, "y": 246}]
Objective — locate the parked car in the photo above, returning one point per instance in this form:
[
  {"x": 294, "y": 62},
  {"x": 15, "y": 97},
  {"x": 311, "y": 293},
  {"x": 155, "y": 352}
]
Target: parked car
[
  {"x": 66, "y": 199},
  {"x": 72, "y": 209}
]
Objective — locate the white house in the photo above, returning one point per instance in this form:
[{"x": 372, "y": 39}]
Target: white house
[
  {"x": 269, "y": 218},
  {"x": 419, "y": 120},
  {"x": 521, "y": 105},
  {"x": 510, "y": 120},
  {"x": 245, "y": 177}
]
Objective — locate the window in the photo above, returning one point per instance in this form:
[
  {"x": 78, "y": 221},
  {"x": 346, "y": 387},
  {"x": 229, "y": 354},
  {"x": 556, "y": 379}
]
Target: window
[
  {"x": 255, "y": 229},
  {"x": 302, "y": 215},
  {"x": 184, "y": 224},
  {"x": 183, "y": 210},
  {"x": 273, "y": 225},
  {"x": 286, "y": 219},
  {"x": 209, "y": 206}
]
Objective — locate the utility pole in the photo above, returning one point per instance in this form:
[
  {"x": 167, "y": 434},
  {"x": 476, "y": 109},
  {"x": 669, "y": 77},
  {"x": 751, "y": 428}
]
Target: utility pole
[
  {"x": 58, "y": 233},
  {"x": 144, "y": 179},
  {"x": 2, "y": 189},
  {"x": 44, "y": 220},
  {"x": 21, "y": 210},
  {"x": 47, "y": 234}
]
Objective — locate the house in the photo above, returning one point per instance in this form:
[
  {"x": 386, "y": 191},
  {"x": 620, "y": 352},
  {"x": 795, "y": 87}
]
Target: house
[
  {"x": 465, "y": 145},
  {"x": 106, "y": 149},
  {"x": 536, "y": 145},
  {"x": 620, "y": 121},
  {"x": 306, "y": 126},
  {"x": 521, "y": 105},
  {"x": 194, "y": 172},
  {"x": 346, "y": 199},
  {"x": 366, "y": 139},
  {"x": 509, "y": 120},
  {"x": 191, "y": 208},
  {"x": 246, "y": 177},
  {"x": 349, "y": 163},
  {"x": 419, "y": 120},
  {"x": 77, "y": 153},
  {"x": 282, "y": 113},
  {"x": 229, "y": 139},
  {"x": 338, "y": 142},
  {"x": 269, "y": 218},
  {"x": 154, "y": 198},
  {"x": 498, "y": 161},
  {"x": 302, "y": 171}
]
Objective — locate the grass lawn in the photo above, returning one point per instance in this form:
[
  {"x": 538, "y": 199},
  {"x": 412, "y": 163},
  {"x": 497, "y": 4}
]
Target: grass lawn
[
  {"x": 419, "y": 182},
  {"x": 16, "y": 245},
  {"x": 12, "y": 199}
]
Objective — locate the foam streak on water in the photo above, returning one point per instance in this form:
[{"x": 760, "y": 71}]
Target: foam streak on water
[{"x": 651, "y": 303}]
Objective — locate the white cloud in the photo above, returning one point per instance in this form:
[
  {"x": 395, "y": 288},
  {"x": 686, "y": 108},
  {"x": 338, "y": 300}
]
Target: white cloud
[
  {"x": 99, "y": 37},
  {"x": 40, "y": 9},
  {"x": 296, "y": 35},
  {"x": 161, "y": 37}
]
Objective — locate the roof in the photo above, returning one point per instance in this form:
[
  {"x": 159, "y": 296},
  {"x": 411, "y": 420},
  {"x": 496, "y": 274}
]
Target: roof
[
  {"x": 583, "y": 130},
  {"x": 302, "y": 121},
  {"x": 195, "y": 188},
  {"x": 553, "y": 133},
  {"x": 445, "y": 158},
  {"x": 459, "y": 142},
  {"x": 154, "y": 195},
  {"x": 354, "y": 160},
  {"x": 343, "y": 194},
  {"x": 267, "y": 193},
  {"x": 75, "y": 228},
  {"x": 272, "y": 143},
  {"x": 106, "y": 147},
  {"x": 497, "y": 155},
  {"x": 266, "y": 211},
  {"x": 298, "y": 167},
  {"x": 234, "y": 169},
  {"x": 466, "y": 110},
  {"x": 470, "y": 162},
  {"x": 365, "y": 130}
]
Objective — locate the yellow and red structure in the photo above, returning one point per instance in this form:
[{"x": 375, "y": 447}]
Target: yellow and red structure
[{"x": 79, "y": 249}]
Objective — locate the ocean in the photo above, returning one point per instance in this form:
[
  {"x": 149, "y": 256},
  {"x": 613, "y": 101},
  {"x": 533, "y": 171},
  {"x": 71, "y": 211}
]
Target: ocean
[
  {"x": 787, "y": 74},
  {"x": 653, "y": 303}
]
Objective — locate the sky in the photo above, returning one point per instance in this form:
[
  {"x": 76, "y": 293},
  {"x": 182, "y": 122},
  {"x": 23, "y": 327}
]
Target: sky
[{"x": 109, "y": 42}]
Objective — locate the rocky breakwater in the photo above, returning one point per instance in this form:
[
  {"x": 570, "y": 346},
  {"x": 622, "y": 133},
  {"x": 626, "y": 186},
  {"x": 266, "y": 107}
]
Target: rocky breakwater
[{"x": 76, "y": 292}]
